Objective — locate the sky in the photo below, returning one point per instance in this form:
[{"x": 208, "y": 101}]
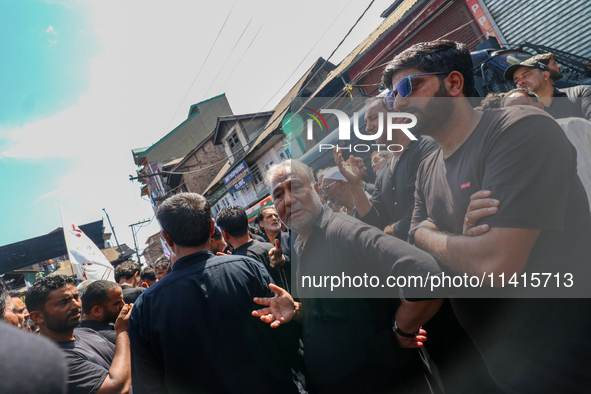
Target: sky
[{"x": 83, "y": 82}]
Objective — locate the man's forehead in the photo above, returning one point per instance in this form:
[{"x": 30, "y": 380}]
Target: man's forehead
[{"x": 62, "y": 292}]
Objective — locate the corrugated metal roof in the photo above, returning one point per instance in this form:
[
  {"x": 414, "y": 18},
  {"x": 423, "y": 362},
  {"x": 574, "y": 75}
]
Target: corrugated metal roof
[{"x": 563, "y": 24}]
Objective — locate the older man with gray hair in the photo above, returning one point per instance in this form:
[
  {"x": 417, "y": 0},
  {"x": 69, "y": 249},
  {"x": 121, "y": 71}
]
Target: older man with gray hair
[{"x": 352, "y": 343}]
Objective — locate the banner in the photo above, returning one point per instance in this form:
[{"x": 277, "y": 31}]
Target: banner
[
  {"x": 86, "y": 258},
  {"x": 238, "y": 178}
]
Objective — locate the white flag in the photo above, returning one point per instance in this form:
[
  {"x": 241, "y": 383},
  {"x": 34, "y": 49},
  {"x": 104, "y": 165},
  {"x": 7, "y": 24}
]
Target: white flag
[{"x": 88, "y": 261}]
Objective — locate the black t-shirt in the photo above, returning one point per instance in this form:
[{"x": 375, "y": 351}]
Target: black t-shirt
[
  {"x": 260, "y": 251},
  {"x": 89, "y": 358},
  {"x": 523, "y": 157},
  {"x": 30, "y": 364},
  {"x": 105, "y": 329},
  {"x": 130, "y": 294}
]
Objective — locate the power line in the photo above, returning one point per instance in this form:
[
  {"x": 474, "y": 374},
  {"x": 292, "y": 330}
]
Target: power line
[
  {"x": 228, "y": 58},
  {"x": 201, "y": 69},
  {"x": 232, "y": 72}
]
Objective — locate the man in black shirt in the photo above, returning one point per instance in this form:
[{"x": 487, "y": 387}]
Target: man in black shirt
[
  {"x": 102, "y": 302},
  {"x": 560, "y": 103},
  {"x": 233, "y": 222},
  {"x": 350, "y": 344},
  {"x": 127, "y": 274},
  {"x": 269, "y": 223},
  {"x": 391, "y": 204},
  {"x": 94, "y": 364},
  {"x": 522, "y": 157},
  {"x": 193, "y": 332}
]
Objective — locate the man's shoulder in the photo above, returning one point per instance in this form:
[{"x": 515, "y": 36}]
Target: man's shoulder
[{"x": 577, "y": 91}]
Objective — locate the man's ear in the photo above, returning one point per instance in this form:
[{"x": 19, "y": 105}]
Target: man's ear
[
  {"x": 317, "y": 189},
  {"x": 212, "y": 229},
  {"x": 226, "y": 235},
  {"x": 97, "y": 311},
  {"x": 37, "y": 317},
  {"x": 546, "y": 75},
  {"x": 454, "y": 83}
]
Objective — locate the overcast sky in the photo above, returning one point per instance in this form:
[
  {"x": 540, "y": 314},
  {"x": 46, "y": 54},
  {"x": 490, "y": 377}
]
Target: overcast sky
[{"x": 84, "y": 82}]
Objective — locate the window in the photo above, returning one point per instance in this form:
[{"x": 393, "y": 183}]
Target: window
[
  {"x": 234, "y": 143},
  {"x": 256, "y": 174}
]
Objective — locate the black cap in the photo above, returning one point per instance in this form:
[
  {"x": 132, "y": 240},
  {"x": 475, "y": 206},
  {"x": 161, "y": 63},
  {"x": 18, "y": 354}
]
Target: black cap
[{"x": 528, "y": 63}]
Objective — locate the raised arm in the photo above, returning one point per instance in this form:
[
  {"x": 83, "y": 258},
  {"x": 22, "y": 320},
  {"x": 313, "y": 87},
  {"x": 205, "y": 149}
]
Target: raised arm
[{"x": 119, "y": 378}]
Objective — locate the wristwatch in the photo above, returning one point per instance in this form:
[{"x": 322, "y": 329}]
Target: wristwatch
[
  {"x": 411, "y": 233},
  {"x": 398, "y": 331}
]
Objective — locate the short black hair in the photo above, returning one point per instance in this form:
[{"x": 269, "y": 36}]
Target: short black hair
[
  {"x": 435, "y": 56},
  {"x": 162, "y": 263},
  {"x": 97, "y": 294},
  {"x": 126, "y": 270},
  {"x": 148, "y": 273},
  {"x": 233, "y": 220},
  {"x": 186, "y": 218},
  {"x": 38, "y": 293}
]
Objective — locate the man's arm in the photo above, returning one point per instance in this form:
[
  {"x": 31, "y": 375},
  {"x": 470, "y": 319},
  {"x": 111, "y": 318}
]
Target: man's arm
[
  {"x": 499, "y": 250},
  {"x": 119, "y": 378}
]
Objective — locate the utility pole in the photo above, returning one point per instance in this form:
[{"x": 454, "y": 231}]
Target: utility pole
[
  {"x": 135, "y": 240},
  {"x": 113, "y": 230}
]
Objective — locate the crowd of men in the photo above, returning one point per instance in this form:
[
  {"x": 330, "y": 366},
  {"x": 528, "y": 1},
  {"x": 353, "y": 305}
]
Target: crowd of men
[{"x": 493, "y": 190}]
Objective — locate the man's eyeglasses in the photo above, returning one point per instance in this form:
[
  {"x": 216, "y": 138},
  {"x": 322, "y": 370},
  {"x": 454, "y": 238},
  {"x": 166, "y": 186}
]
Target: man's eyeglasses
[
  {"x": 325, "y": 188},
  {"x": 404, "y": 88}
]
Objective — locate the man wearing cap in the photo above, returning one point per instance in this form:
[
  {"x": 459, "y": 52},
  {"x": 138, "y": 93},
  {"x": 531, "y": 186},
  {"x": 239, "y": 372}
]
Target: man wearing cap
[
  {"x": 336, "y": 189},
  {"x": 573, "y": 102}
]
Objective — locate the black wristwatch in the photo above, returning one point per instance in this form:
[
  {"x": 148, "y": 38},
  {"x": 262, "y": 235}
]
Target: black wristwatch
[
  {"x": 398, "y": 331},
  {"x": 411, "y": 233}
]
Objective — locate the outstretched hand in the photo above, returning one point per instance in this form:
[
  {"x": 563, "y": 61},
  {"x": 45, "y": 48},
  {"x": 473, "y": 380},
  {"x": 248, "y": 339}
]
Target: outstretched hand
[
  {"x": 352, "y": 175},
  {"x": 279, "y": 310},
  {"x": 276, "y": 255},
  {"x": 481, "y": 205}
]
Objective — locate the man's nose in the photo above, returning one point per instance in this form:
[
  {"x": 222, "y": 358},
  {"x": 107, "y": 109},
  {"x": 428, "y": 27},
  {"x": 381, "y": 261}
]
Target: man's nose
[{"x": 287, "y": 198}]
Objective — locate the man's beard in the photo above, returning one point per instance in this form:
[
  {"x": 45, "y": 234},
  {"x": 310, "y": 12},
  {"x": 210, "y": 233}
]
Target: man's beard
[
  {"x": 109, "y": 317},
  {"x": 556, "y": 75},
  {"x": 274, "y": 227},
  {"x": 306, "y": 217},
  {"x": 437, "y": 111},
  {"x": 58, "y": 325}
]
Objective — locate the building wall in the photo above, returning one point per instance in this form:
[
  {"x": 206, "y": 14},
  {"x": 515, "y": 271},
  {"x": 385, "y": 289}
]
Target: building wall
[
  {"x": 450, "y": 20},
  {"x": 202, "y": 160}
]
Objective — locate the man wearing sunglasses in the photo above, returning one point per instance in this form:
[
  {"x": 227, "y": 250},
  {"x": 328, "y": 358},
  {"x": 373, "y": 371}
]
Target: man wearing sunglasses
[{"x": 541, "y": 224}]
